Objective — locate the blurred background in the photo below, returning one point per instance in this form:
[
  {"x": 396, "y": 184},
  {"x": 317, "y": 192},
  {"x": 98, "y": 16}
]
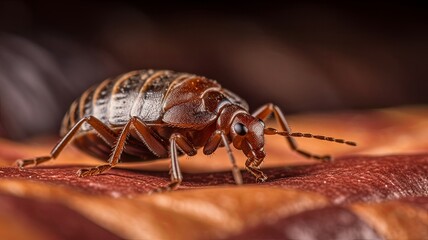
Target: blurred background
[{"x": 301, "y": 56}]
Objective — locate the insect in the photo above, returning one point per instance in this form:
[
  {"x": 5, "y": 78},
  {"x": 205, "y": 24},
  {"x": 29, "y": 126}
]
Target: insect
[{"x": 161, "y": 114}]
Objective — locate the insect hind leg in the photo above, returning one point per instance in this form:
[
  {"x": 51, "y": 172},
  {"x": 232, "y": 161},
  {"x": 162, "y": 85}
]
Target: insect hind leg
[
  {"x": 266, "y": 110},
  {"x": 145, "y": 133},
  {"x": 105, "y": 132}
]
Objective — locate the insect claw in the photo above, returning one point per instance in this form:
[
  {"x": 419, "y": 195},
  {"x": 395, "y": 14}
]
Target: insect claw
[
  {"x": 22, "y": 163},
  {"x": 170, "y": 187},
  {"x": 262, "y": 178},
  {"x": 85, "y": 172},
  {"x": 82, "y": 172}
]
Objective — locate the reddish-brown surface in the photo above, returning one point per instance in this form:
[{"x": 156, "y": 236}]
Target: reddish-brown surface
[{"x": 359, "y": 195}]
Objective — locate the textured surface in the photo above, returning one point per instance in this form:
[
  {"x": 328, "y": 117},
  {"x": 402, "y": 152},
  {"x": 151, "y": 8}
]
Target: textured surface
[{"x": 357, "y": 196}]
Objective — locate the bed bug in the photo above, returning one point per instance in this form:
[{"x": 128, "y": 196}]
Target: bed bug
[{"x": 159, "y": 114}]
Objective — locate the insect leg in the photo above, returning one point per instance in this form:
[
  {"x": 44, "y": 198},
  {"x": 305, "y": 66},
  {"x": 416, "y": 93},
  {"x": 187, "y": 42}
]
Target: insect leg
[
  {"x": 146, "y": 135},
  {"x": 176, "y": 176},
  {"x": 184, "y": 144},
  {"x": 254, "y": 168},
  {"x": 212, "y": 145},
  {"x": 105, "y": 132},
  {"x": 253, "y": 164},
  {"x": 264, "y": 112}
]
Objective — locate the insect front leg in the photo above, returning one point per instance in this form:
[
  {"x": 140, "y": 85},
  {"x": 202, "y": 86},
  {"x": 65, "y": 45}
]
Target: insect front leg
[
  {"x": 105, "y": 132},
  {"x": 150, "y": 139},
  {"x": 264, "y": 112},
  {"x": 253, "y": 164},
  {"x": 175, "y": 140},
  {"x": 185, "y": 146},
  {"x": 254, "y": 168}
]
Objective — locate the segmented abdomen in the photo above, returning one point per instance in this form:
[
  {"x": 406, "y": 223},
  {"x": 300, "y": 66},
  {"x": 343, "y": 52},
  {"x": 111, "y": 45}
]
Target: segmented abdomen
[{"x": 114, "y": 101}]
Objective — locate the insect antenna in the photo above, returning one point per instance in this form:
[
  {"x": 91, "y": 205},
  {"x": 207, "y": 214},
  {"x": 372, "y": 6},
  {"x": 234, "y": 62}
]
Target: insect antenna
[{"x": 273, "y": 131}]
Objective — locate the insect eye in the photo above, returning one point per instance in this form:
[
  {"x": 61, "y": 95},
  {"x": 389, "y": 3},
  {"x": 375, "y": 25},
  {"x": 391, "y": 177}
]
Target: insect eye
[{"x": 240, "y": 129}]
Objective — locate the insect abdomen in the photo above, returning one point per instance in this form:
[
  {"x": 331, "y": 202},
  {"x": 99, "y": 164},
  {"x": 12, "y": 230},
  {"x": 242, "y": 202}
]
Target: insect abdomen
[{"x": 115, "y": 101}]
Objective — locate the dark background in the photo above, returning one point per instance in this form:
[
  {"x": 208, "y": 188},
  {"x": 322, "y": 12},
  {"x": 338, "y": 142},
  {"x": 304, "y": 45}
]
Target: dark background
[{"x": 301, "y": 56}]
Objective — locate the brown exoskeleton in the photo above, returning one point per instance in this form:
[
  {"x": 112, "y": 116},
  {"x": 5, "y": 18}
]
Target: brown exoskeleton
[{"x": 162, "y": 114}]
